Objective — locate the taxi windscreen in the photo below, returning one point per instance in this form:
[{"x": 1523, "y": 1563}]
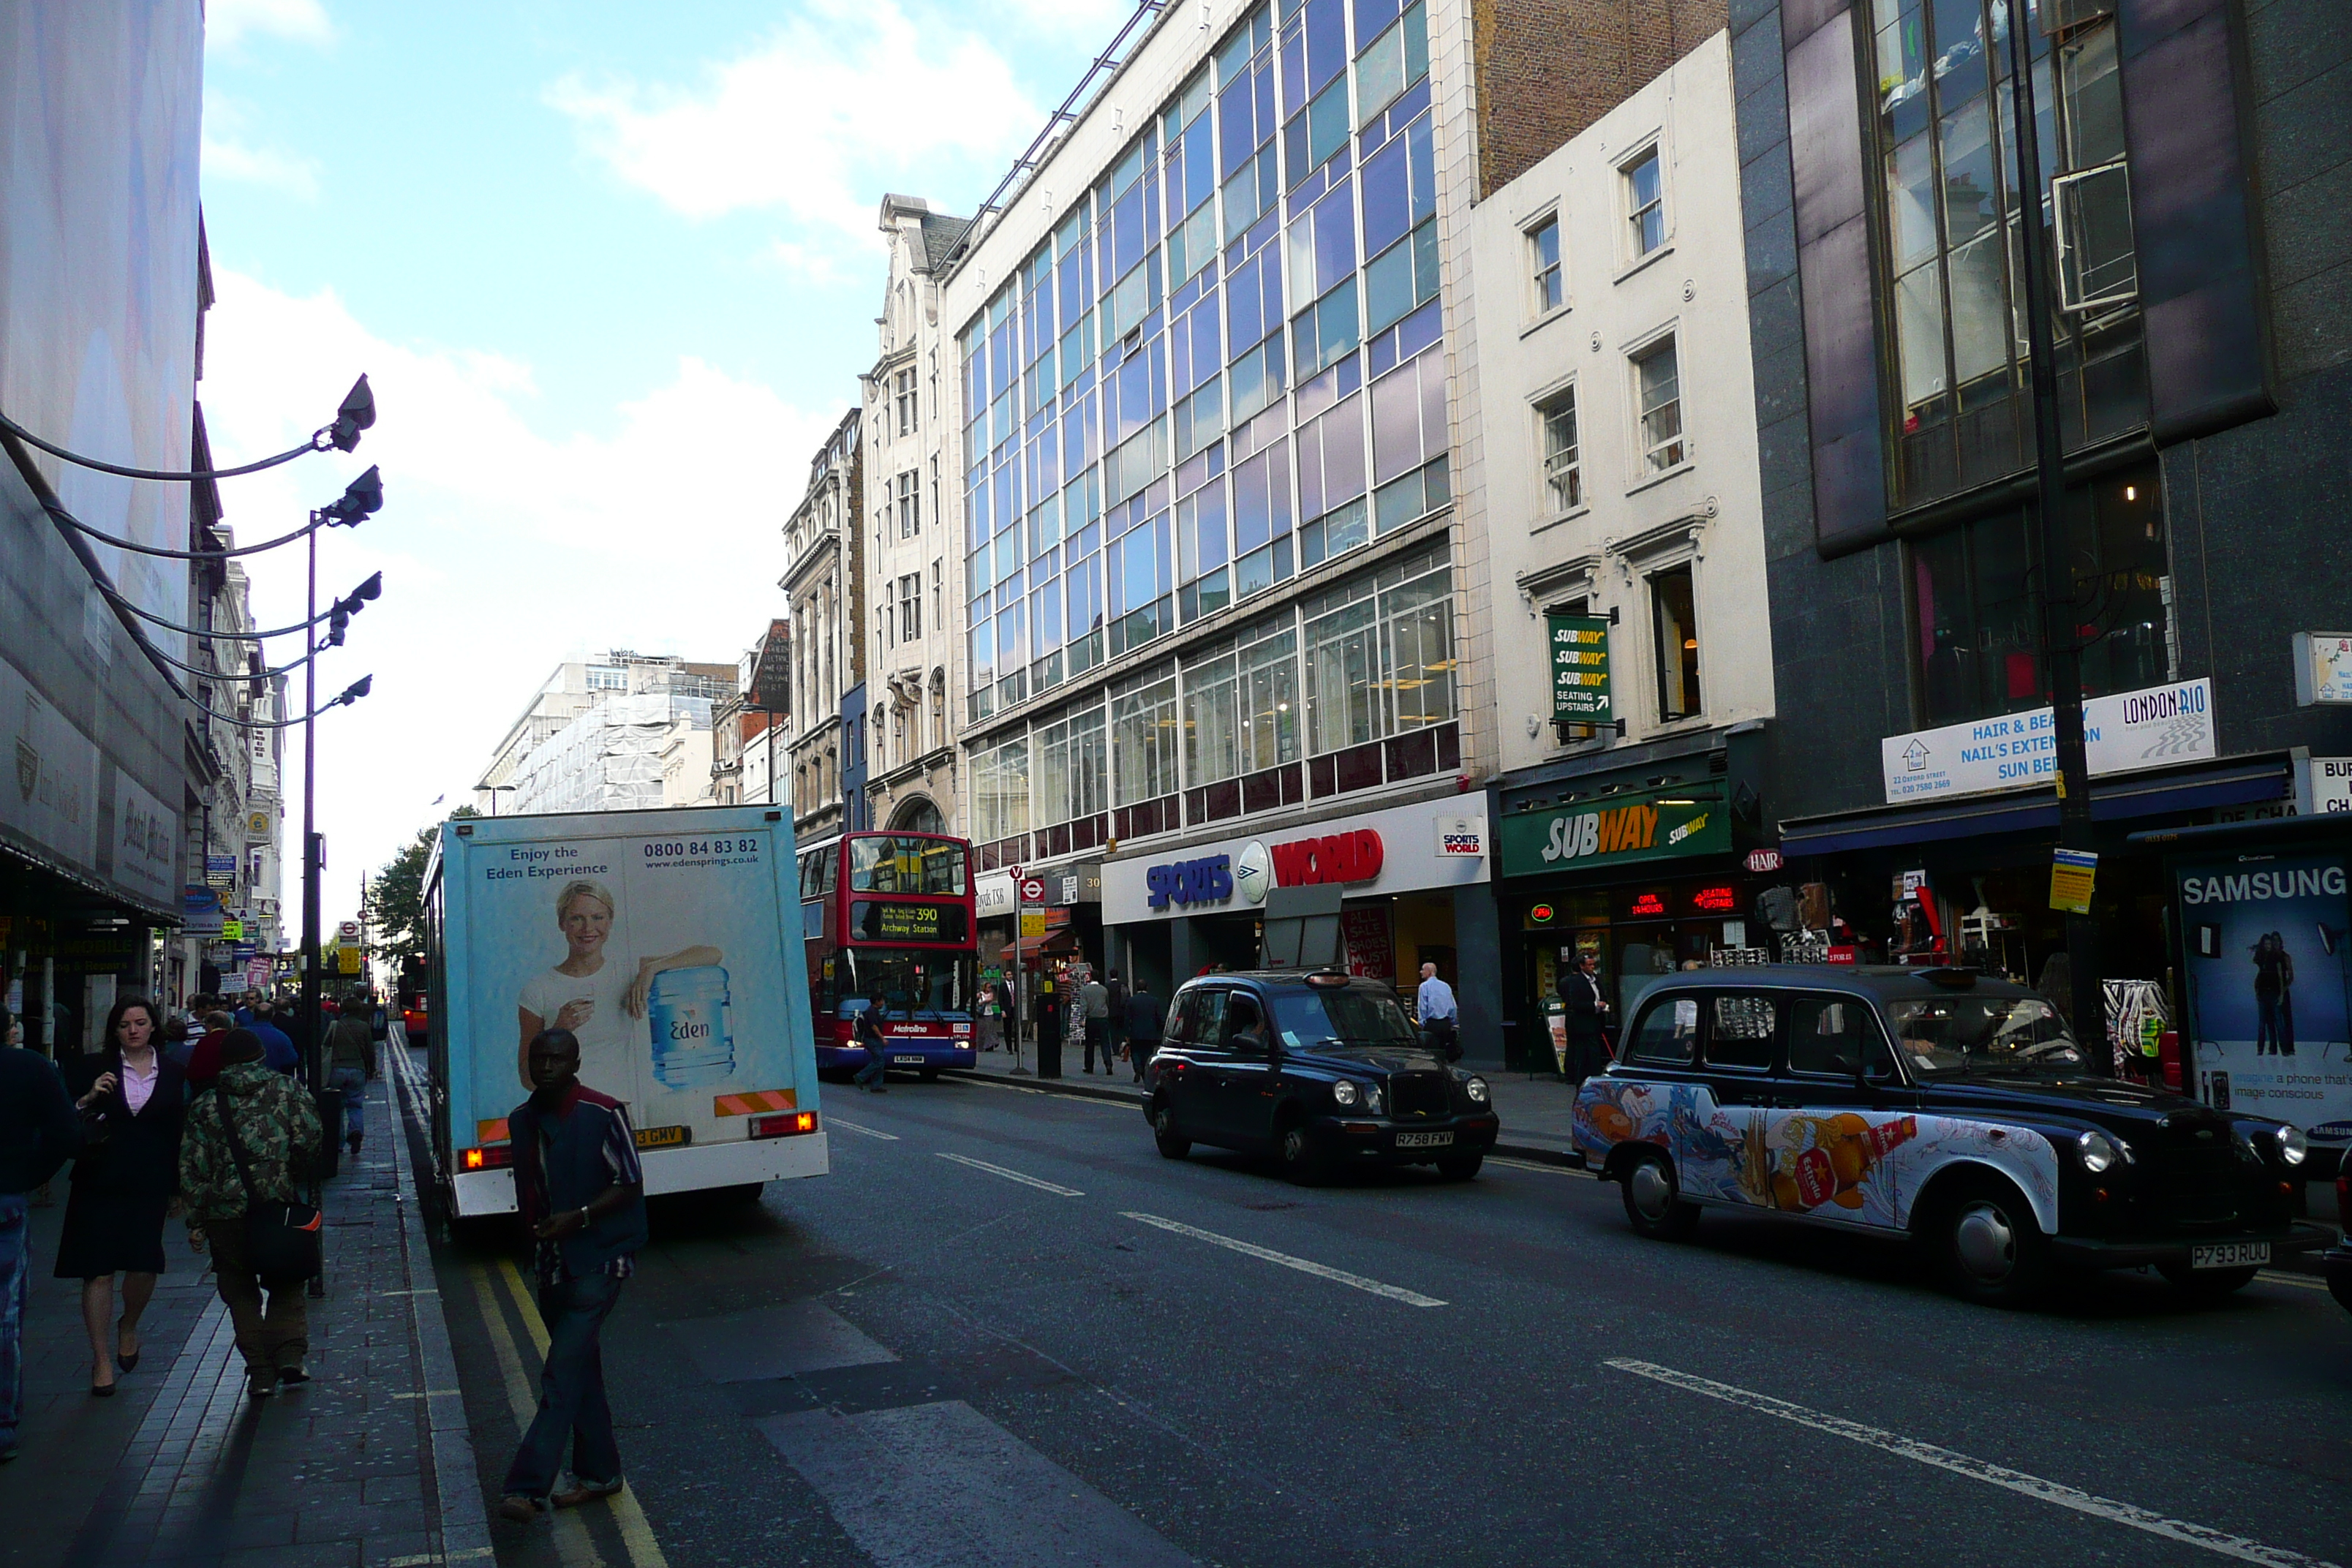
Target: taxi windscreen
[
  {"x": 1976, "y": 1034},
  {"x": 1310, "y": 1020}
]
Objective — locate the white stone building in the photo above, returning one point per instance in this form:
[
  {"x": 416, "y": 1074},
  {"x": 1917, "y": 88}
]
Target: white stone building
[{"x": 825, "y": 546}]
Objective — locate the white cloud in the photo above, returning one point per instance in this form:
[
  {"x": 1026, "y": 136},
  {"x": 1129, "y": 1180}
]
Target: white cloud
[
  {"x": 505, "y": 547},
  {"x": 842, "y": 102},
  {"x": 305, "y": 21},
  {"x": 229, "y": 152}
]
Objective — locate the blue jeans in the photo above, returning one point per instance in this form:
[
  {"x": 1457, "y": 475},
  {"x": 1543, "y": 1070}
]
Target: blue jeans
[
  {"x": 15, "y": 1271},
  {"x": 570, "y": 1392},
  {"x": 878, "y": 1063},
  {"x": 353, "y": 1083}
]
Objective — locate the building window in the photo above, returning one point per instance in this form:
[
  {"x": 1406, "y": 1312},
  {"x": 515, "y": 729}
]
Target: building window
[
  {"x": 910, "y": 503},
  {"x": 1659, "y": 396},
  {"x": 1073, "y": 769},
  {"x": 1543, "y": 257},
  {"x": 939, "y": 595},
  {"x": 1000, "y": 791},
  {"x": 607, "y": 677},
  {"x": 1143, "y": 740},
  {"x": 1646, "y": 204},
  {"x": 910, "y": 606},
  {"x": 1380, "y": 654},
  {"x": 1952, "y": 237},
  {"x": 1563, "y": 468},
  {"x": 1677, "y": 623},
  {"x": 904, "y": 383}
]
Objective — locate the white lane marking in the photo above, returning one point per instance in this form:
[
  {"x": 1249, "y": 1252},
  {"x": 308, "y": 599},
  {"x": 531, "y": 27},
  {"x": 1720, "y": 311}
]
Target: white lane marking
[
  {"x": 1010, "y": 1175},
  {"x": 2267, "y": 1278},
  {"x": 1976, "y": 1470},
  {"x": 1305, "y": 1265},
  {"x": 869, "y": 1132},
  {"x": 1545, "y": 1170}
]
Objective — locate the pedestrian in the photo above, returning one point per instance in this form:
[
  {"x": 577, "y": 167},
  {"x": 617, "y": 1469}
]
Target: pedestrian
[
  {"x": 126, "y": 1180},
  {"x": 351, "y": 1063},
  {"x": 37, "y": 1131},
  {"x": 278, "y": 1050},
  {"x": 1116, "y": 1031},
  {"x": 250, "y": 1141},
  {"x": 869, "y": 1032},
  {"x": 1094, "y": 997},
  {"x": 203, "y": 1057},
  {"x": 1588, "y": 1008},
  {"x": 241, "y": 1016},
  {"x": 579, "y": 1188},
  {"x": 1440, "y": 1016},
  {"x": 1144, "y": 1017}
]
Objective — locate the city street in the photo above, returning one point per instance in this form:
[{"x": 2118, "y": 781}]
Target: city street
[{"x": 1006, "y": 1331}]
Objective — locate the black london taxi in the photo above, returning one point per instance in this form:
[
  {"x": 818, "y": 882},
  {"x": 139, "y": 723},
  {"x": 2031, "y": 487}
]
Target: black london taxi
[
  {"x": 1322, "y": 1071},
  {"x": 1936, "y": 1105}
]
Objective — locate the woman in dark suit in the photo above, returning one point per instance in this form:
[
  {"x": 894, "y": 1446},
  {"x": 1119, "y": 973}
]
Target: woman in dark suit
[{"x": 125, "y": 1181}]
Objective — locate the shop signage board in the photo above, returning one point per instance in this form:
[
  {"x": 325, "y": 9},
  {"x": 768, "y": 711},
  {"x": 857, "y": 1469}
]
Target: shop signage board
[
  {"x": 220, "y": 870},
  {"x": 2329, "y": 788},
  {"x": 1579, "y": 668},
  {"x": 1371, "y": 854},
  {"x": 1461, "y": 835},
  {"x": 994, "y": 896},
  {"x": 200, "y": 911},
  {"x": 2123, "y": 733},
  {"x": 2323, "y": 667},
  {"x": 1371, "y": 947},
  {"x": 2265, "y": 938},
  {"x": 256, "y": 975},
  {"x": 1618, "y": 832}
]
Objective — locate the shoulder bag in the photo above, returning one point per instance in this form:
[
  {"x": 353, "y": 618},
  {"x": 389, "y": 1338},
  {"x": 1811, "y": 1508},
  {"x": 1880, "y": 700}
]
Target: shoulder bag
[{"x": 282, "y": 1239}]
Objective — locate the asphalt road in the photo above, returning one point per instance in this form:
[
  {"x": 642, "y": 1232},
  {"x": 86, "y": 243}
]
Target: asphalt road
[{"x": 1004, "y": 1331}]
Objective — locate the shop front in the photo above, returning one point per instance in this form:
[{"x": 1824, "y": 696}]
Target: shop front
[
  {"x": 1645, "y": 881},
  {"x": 1379, "y": 893}
]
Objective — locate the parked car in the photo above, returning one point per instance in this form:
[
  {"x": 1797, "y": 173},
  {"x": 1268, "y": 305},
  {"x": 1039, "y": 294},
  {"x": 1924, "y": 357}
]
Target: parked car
[
  {"x": 1322, "y": 1071},
  {"x": 1939, "y": 1106}
]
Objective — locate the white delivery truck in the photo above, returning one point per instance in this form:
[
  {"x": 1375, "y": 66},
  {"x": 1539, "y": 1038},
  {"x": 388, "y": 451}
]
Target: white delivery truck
[{"x": 661, "y": 939}]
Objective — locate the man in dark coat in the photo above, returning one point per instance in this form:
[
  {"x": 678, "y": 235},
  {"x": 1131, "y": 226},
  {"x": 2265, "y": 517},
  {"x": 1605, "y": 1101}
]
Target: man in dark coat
[
  {"x": 1143, "y": 1021},
  {"x": 580, "y": 1190},
  {"x": 37, "y": 1130},
  {"x": 1588, "y": 1007}
]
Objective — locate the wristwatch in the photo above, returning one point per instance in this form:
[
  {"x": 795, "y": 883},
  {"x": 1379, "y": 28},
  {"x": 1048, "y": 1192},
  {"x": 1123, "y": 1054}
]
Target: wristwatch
[{"x": 586, "y": 1222}]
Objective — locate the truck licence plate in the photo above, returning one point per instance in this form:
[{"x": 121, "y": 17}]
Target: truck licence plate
[
  {"x": 2230, "y": 1254},
  {"x": 1423, "y": 1140},
  {"x": 664, "y": 1137},
  {"x": 906, "y": 1061}
]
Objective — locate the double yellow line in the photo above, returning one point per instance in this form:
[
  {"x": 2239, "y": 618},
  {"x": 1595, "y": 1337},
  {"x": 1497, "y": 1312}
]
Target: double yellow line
[{"x": 572, "y": 1542}]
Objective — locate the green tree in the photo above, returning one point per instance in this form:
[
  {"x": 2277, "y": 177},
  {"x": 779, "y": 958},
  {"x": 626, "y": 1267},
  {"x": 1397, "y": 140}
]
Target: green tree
[{"x": 394, "y": 906}]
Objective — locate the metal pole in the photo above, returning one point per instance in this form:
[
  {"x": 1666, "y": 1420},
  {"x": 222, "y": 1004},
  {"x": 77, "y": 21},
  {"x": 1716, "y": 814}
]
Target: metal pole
[
  {"x": 1020, "y": 980},
  {"x": 309, "y": 1002},
  {"x": 2060, "y": 651}
]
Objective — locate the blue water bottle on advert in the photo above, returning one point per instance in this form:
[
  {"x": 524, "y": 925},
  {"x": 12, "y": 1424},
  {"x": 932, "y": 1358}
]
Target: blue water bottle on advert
[{"x": 694, "y": 1040}]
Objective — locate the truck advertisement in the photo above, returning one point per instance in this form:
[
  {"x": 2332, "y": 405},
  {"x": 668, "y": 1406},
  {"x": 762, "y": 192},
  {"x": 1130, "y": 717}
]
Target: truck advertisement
[{"x": 658, "y": 939}]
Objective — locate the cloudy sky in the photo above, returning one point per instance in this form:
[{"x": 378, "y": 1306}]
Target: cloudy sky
[{"x": 612, "y": 269}]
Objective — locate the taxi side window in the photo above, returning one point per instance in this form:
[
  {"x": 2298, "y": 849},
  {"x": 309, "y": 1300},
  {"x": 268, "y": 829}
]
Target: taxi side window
[
  {"x": 1877, "y": 1055},
  {"x": 1739, "y": 1030},
  {"x": 1208, "y": 1017},
  {"x": 1667, "y": 1035},
  {"x": 1245, "y": 1023},
  {"x": 1829, "y": 1035},
  {"x": 1178, "y": 1029}
]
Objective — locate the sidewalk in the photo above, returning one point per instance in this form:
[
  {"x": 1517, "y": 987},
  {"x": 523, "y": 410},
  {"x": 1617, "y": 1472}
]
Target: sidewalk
[
  {"x": 181, "y": 1468},
  {"x": 1536, "y": 1111}
]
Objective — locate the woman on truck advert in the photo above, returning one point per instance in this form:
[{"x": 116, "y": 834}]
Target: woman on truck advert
[{"x": 595, "y": 996}]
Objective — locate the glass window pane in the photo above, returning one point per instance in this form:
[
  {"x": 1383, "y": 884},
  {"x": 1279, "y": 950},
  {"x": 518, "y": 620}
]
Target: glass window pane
[
  {"x": 1971, "y": 190},
  {"x": 1979, "y": 307}
]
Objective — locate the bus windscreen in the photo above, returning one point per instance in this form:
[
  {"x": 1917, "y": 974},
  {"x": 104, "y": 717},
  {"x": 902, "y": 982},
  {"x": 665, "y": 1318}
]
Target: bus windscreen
[{"x": 899, "y": 863}]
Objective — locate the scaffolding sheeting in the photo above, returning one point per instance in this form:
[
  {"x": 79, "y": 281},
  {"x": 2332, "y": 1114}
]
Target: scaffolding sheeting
[{"x": 608, "y": 759}]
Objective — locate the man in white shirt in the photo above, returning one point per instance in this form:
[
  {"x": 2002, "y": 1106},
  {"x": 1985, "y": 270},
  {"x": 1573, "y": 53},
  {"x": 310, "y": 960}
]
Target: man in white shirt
[{"x": 1440, "y": 1017}]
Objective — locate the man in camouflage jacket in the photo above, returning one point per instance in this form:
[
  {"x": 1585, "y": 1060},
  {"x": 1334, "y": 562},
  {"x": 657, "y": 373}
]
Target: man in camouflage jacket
[{"x": 277, "y": 1124}]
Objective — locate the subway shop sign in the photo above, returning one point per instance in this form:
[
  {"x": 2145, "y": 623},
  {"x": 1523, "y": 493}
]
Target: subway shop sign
[{"x": 1612, "y": 832}]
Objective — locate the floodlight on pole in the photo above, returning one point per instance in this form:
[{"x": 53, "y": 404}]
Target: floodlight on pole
[{"x": 355, "y": 414}]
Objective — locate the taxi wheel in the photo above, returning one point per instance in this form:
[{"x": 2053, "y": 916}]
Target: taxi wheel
[
  {"x": 1301, "y": 1161},
  {"x": 1173, "y": 1144},
  {"x": 1654, "y": 1201},
  {"x": 1990, "y": 1246},
  {"x": 2206, "y": 1283}
]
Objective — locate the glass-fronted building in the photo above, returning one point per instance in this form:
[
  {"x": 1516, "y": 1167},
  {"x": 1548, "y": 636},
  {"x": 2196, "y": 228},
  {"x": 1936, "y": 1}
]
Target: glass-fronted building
[{"x": 1210, "y": 578}]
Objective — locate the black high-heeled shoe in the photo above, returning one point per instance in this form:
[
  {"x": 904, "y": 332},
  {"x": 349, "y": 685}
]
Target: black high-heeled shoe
[{"x": 101, "y": 1391}]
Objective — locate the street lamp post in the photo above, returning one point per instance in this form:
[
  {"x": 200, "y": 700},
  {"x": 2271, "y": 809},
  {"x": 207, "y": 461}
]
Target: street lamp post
[{"x": 2062, "y": 655}]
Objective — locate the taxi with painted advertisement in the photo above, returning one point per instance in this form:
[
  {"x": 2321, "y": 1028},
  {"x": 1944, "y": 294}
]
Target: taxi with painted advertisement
[
  {"x": 1324, "y": 1072},
  {"x": 1939, "y": 1106}
]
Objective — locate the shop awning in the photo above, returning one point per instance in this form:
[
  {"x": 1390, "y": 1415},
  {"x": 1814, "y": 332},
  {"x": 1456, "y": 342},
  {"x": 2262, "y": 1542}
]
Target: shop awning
[
  {"x": 2241, "y": 782},
  {"x": 1061, "y": 939}
]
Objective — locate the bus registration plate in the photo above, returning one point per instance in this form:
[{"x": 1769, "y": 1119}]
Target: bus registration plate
[
  {"x": 906, "y": 1061},
  {"x": 664, "y": 1137}
]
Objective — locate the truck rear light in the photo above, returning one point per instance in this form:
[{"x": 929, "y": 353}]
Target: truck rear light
[
  {"x": 498, "y": 1156},
  {"x": 784, "y": 1125}
]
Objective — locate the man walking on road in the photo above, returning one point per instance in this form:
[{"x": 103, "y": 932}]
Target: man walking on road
[
  {"x": 351, "y": 1062},
  {"x": 580, "y": 1190},
  {"x": 869, "y": 1031},
  {"x": 1094, "y": 998},
  {"x": 1144, "y": 1015},
  {"x": 37, "y": 1131},
  {"x": 250, "y": 1141},
  {"x": 1440, "y": 1015}
]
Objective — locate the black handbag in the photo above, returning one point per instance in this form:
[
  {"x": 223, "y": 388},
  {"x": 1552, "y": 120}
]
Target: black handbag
[{"x": 281, "y": 1240}]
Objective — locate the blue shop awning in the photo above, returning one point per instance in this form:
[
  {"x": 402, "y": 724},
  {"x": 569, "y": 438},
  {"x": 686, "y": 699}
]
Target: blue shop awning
[{"x": 2242, "y": 781}]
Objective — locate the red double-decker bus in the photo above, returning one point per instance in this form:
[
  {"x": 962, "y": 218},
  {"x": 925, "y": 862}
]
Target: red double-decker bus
[{"x": 890, "y": 916}]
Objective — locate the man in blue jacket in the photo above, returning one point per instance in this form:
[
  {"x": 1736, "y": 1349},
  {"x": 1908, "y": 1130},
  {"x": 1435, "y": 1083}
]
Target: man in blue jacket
[
  {"x": 37, "y": 1130},
  {"x": 580, "y": 1191}
]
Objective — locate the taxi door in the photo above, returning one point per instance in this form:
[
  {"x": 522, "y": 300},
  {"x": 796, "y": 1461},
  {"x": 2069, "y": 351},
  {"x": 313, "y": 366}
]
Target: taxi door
[
  {"x": 1839, "y": 1109},
  {"x": 1725, "y": 1137}
]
